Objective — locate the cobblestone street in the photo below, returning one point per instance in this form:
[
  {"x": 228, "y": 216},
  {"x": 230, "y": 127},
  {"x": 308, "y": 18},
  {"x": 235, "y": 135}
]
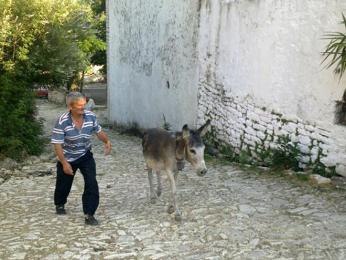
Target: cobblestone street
[{"x": 231, "y": 213}]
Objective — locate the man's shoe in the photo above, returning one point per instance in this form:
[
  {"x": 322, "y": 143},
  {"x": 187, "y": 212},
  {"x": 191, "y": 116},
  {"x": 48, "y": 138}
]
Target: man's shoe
[
  {"x": 60, "y": 210},
  {"x": 91, "y": 220}
]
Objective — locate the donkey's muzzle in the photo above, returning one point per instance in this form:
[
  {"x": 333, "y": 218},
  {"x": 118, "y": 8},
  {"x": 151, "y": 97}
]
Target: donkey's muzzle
[{"x": 202, "y": 172}]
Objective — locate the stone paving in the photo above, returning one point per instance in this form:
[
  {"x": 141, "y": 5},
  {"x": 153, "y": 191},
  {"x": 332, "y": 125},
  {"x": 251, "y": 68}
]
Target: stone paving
[{"x": 231, "y": 213}]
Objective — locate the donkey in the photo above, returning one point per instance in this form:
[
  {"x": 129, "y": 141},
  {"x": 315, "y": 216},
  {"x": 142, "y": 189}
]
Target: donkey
[{"x": 167, "y": 151}]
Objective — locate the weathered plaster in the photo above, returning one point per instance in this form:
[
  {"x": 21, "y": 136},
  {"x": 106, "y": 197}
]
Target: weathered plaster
[{"x": 152, "y": 62}]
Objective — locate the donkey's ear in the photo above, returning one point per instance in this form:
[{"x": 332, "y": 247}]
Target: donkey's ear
[
  {"x": 204, "y": 128},
  {"x": 186, "y": 131}
]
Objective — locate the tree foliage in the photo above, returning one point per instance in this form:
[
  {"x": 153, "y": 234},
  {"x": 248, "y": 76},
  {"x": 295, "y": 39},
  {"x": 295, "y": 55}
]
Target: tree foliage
[
  {"x": 100, "y": 56},
  {"x": 47, "y": 41}
]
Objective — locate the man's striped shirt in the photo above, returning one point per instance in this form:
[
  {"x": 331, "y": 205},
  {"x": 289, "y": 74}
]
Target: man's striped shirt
[{"x": 75, "y": 142}]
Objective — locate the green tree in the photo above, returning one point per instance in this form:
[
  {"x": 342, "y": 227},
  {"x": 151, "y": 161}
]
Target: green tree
[
  {"x": 100, "y": 56},
  {"x": 46, "y": 41}
]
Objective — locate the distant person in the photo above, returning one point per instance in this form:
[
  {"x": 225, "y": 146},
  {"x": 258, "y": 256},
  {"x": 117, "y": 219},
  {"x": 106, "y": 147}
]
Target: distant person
[
  {"x": 71, "y": 140},
  {"x": 90, "y": 104}
]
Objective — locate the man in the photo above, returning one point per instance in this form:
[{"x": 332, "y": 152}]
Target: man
[
  {"x": 90, "y": 104},
  {"x": 71, "y": 140}
]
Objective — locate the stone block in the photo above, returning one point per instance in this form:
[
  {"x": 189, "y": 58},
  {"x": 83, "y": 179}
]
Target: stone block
[
  {"x": 304, "y": 159},
  {"x": 254, "y": 117},
  {"x": 305, "y": 140},
  {"x": 320, "y": 138},
  {"x": 250, "y": 131},
  {"x": 265, "y": 119},
  {"x": 260, "y": 135},
  {"x": 320, "y": 180},
  {"x": 341, "y": 169},
  {"x": 310, "y": 128},
  {"x": 290, "y": 127},
  {"x": 304, "y": 149},
  {"x": 259, "y": 127}
]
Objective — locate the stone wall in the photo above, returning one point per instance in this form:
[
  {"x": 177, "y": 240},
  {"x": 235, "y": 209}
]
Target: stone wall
[{"x": 257, "y": 129}]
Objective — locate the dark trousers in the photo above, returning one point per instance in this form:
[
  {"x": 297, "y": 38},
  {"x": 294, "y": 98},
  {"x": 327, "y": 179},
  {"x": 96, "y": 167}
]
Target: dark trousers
[{"x": 86, "y": 164}]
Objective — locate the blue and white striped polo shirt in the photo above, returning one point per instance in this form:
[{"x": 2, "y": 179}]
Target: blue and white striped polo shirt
[{"x": 75, "y": 142}]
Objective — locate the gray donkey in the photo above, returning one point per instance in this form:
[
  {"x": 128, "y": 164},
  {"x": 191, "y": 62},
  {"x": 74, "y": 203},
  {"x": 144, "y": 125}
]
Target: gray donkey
[{"x": 167, "y": 151}]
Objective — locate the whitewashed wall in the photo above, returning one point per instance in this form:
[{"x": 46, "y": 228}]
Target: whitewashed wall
[
  {"x": 253, "y": 66},
  {"x": 270, "y": 49},
  {"x": 152, "y": 61},
  {"x": 260, "y": 76}
]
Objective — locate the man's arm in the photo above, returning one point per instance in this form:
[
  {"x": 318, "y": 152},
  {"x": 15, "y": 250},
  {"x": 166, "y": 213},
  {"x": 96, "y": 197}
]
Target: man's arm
[
  {"x": 104, "y": 138},
  {"x": 60, "y": 154}
]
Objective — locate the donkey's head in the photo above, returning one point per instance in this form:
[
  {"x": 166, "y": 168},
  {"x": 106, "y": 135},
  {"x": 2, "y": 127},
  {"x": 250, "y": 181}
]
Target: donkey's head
[{"x": 194, "y": 147}]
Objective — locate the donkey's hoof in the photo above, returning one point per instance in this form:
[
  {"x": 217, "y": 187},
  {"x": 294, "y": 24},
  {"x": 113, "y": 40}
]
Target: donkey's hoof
[
  {"x": 170, "y": 209},
  {"x": 153, "y": 200},
  {"x": 177, "y": 217},
  {"x": 158, "y": 193}
]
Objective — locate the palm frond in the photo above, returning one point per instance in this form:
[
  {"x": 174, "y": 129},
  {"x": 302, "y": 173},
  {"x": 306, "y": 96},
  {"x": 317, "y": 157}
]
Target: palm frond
[{"x": 335, "y": 51}]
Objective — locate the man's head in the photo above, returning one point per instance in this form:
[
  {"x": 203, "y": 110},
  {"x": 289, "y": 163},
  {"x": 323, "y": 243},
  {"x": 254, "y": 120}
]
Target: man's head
[{"x": 75, "y": 102}]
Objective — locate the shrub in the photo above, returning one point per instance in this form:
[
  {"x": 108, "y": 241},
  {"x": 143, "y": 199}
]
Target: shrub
[{"x": 20, "y": 131}]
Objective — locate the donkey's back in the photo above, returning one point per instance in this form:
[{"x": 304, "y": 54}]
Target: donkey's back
[{"x": 159, "y": 149}]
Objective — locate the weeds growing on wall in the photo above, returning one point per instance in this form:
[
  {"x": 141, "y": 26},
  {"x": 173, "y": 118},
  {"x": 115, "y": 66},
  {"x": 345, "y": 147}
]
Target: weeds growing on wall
[
  {"x": 321, "y": 169},
  {"x": 285, "y": 155}
]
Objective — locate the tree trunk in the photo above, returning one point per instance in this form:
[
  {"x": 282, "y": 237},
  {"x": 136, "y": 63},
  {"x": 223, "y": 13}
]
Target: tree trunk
[{"x": 81, "y": 84}]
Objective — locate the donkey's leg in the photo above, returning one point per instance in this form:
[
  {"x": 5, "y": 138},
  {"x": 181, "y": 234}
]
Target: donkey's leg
[
  {"x": 159, "y": 185},
  {"x": 151, "y": 186},
  {"x": 173, "y": 207},
  {"x": 176, "y": 175}
]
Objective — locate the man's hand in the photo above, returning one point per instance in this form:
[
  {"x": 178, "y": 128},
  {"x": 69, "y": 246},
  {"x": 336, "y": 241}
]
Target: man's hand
[
  {"x": 108, "y": 148},
  {"x": 65, "y": 164},
  {"x": 67, "y": 168},
  {"x": 104, "y": 138}
]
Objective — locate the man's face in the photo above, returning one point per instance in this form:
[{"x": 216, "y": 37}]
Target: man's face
[{"x": 77, "y": 107}]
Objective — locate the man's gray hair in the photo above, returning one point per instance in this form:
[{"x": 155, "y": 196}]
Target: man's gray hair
[{"x": 73, "y": 96}]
